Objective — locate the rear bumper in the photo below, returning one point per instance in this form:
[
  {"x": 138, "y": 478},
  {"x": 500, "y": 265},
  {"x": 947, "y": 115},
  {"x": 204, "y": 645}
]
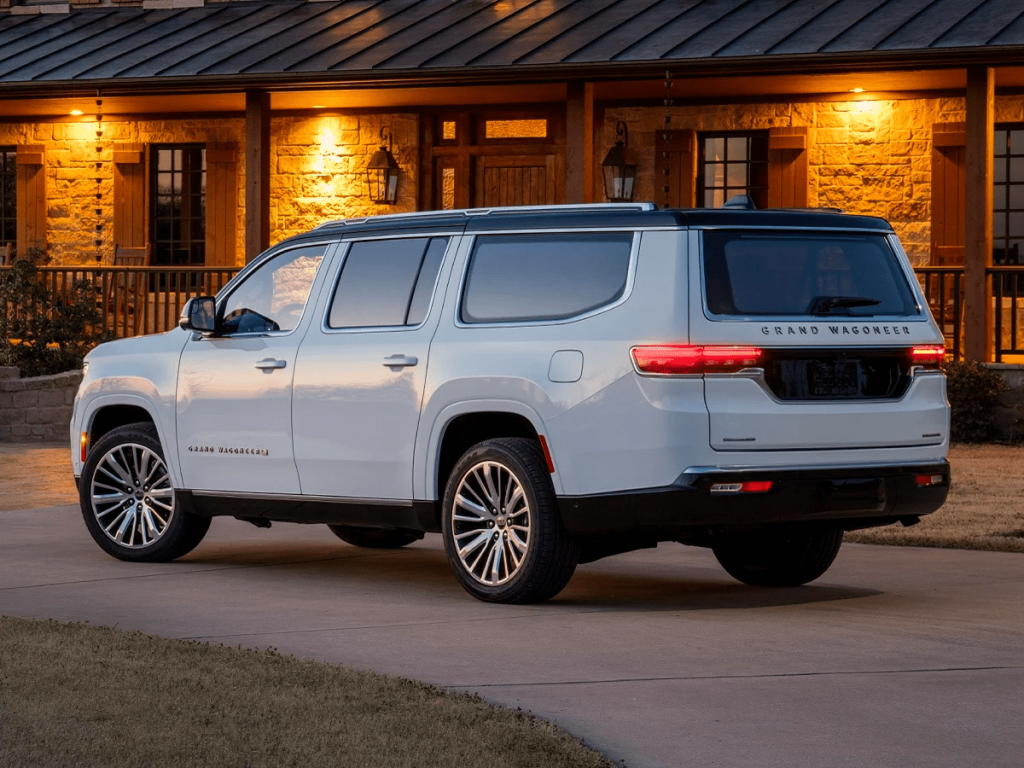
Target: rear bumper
[{"x": 853, "y": 497}]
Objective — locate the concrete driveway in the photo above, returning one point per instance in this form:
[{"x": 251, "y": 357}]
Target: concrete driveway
[{"x": 897, "y": 657}]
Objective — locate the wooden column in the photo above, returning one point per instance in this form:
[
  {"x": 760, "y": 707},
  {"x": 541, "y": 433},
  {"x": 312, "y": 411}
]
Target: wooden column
[
  {"x": 257, "y": 173},
  {"x": 978, "y": 322},
  {"x": 579, "y": 143}
]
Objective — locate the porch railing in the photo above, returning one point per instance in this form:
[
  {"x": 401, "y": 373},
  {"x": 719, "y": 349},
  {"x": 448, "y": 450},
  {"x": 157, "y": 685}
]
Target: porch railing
[{"x": 133, "y": 301}]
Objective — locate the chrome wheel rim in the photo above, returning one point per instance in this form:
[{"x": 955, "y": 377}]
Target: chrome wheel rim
[
  {"x": 491, "y": 523},
  {"x": 131, "y": 496}
]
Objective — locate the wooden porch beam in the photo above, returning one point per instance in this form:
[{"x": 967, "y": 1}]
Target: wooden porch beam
[
  {"x": 978, "y": 321},
  {"x": 257, "y": 173},
  {"x": 579, "y": 143}
]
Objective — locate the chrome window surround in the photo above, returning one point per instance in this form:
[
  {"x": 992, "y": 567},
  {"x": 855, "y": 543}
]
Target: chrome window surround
[
  {"x": 890, "y": 236},
  {"x": 634, "y": 251},
  {"x": 251, "y": 268},
  {"x": 343, "y": 250}
]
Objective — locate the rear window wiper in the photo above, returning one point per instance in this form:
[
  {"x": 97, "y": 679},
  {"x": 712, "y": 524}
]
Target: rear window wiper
[{"x": 823, "y": 305}]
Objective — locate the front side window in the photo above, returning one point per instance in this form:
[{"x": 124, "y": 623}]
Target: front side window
[
  {"x": 273, "y": 297},
  {"x": 733, "y": 164},
  {"x": 8, "y": 195},
  {"x": 178, "y": 205},
  {"x": 517, "y": 278},
  {"x": 387, "y": 283},
  {"x": 820, "y": 274}
]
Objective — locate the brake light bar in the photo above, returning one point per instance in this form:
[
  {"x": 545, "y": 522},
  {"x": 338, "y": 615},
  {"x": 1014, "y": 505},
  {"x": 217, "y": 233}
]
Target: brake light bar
[
  {"x": 751, "y": 486},
  {"x": 683, "y": 358},
  {"x": 929, "y": 356}
]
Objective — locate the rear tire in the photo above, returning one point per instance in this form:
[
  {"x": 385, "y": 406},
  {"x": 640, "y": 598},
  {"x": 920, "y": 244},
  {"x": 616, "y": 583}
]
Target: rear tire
[
  {"x": 128, "y": 502},
  {"x": 503, "y": 533},
  {"x": 785, "y": 558},
  {"x": 374, "y": 538}
]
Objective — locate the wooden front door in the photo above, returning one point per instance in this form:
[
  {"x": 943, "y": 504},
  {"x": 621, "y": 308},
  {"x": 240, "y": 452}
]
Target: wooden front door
[
  {"x": 517, "y": 180},
  {"x": 493, "y": 159}
]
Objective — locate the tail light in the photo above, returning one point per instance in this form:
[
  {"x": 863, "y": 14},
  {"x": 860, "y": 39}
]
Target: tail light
[
  {"x": 682, "y": 358},
  {"x": 929, "y": 480},
  {"x": 751, "y": 486},
  {"x": 929, "y": 356}
]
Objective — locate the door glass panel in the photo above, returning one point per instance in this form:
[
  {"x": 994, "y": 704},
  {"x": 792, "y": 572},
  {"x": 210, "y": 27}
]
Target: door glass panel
[
  {"x": 515, "y": 129},
  {"x": 377, "y": 283},
  {"x": 274, "y": 296}
]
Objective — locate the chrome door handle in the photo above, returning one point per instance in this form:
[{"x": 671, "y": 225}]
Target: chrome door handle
[
  {"x": 400, "y": 361},
  {"x": 270, "y": 363}
]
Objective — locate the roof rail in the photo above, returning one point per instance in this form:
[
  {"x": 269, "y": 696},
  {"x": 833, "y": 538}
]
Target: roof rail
[{"x": 414, "y": 215}]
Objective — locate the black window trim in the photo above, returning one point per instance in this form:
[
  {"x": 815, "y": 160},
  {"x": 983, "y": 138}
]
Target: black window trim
[
  {"x": 702, "y": 136},
  {"x": 627, "y": 290},
  {"x": 336, "y": 271}
]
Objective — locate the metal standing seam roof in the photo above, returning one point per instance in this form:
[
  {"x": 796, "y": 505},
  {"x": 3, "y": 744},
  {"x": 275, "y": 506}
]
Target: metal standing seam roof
[{"x": 286, "y": 39}]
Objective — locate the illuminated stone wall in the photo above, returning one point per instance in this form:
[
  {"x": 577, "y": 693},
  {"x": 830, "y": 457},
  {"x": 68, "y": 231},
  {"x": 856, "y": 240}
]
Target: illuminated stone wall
[
  {"x": 318, "y": 168},
  {"x": 867, "y": 157},
  {"x": 73, "y": 167}
]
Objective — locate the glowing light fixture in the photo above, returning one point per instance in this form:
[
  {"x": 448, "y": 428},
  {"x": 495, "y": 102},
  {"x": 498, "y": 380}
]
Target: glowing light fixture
[
  {"x": 75, "y": 112},
  {"x": 619, "y": 173},
  {"x": 856, "y": 90},
  {"x": 382, "y": 172}
]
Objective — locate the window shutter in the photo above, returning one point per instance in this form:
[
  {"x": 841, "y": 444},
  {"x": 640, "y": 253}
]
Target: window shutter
[
  {"x": 676, "y": 150},
  {"x": 130, "y": 195},
  {"x": 31, "y": 183},
  {"x": 787, "y": 167},
  {"x": 221, "y": 204},
  {"x": 949, "y": 185}
]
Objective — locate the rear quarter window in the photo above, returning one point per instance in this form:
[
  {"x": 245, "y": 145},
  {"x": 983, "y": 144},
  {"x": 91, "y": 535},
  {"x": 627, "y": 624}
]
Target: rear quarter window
[
  {"x": 537, "y": 277},
  {"x": 803, "y": 273}
]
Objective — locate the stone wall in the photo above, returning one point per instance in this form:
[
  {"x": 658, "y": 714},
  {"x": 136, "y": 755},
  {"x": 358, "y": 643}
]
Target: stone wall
[
  {"x": 36, "y": 409},
  {"x": 76, "y": 172},
  {"x": 868, "y": 157},
  {"x": 318, "y": 170}
]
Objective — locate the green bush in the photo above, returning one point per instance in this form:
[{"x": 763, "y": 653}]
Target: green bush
[
  {"x": 41, "y": 332},
  {"x": 973, "y": 392}
]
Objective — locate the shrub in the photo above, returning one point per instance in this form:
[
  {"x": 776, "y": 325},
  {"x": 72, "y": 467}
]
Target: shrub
[
  {"x": 42, "y": 332},
  {"x": 973, "y": 392}
]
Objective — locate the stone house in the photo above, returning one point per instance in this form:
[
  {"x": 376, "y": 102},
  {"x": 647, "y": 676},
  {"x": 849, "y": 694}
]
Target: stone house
[{"x": 206, "y": 131}]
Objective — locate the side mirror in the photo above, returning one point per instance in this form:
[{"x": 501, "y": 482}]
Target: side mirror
[{"x": 199, "y": 314}]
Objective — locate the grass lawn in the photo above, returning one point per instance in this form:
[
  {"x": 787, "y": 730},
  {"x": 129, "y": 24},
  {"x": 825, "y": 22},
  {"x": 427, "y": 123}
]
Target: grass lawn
[
  {"x": 79, "y": 695},
  {"x": 985, "y": 508}
]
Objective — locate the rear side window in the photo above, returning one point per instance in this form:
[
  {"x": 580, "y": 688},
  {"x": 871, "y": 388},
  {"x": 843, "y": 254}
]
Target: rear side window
[
  {"x": 387, "y": 282},
  {"x": 803, "y": 273},
  {"x": 544, "y": 277}
]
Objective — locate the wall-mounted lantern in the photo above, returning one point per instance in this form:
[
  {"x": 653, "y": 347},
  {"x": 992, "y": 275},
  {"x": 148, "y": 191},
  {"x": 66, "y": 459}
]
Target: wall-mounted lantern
[
  {"x": 619, "y": 173},
  {"x": 382, "y": 172}
]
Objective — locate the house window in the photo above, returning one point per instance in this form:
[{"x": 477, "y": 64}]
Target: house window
[
  {"x": 8, "y": 195},
  {"x": 178, "y": 205},
  {"x": 1008, "y": 195},
  {"x": 732, "y": 164}
]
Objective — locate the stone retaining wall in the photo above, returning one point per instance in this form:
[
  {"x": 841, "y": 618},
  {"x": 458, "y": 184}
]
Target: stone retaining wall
[{"x": 36, "y": 409}]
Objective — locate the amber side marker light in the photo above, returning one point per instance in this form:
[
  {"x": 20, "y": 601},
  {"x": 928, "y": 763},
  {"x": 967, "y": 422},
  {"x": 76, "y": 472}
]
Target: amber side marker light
[
  {"x": 682, "y": 358},
  {"x": 929, "y": 356},
  {"x": 85, "y": 445}
]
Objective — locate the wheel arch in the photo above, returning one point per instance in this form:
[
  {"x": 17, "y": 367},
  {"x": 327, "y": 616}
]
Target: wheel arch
[
  {"x": 108, "y": 413},
  {"x": 459, "y": 427}
]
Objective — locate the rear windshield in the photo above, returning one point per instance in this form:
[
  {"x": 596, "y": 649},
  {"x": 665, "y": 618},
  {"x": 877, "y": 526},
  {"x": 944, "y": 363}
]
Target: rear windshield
[{"x": 803, "y": 273}]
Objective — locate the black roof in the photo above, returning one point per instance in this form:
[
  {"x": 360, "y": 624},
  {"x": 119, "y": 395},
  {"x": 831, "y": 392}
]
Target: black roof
[
  {"x": 378, "y": 39},
  {"x": 596, "y": 217}
]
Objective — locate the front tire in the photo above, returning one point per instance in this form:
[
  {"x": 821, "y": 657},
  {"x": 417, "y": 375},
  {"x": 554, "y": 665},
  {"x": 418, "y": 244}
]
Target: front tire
[
  {"x": 374, "y": 538},
  {"x": 128, "y": 501},
  {"x": 784, "y": 558},
  {"x": 502, "y": 530}
]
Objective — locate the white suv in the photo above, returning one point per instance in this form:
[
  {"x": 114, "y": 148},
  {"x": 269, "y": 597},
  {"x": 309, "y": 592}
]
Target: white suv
[{"x": 543, "y": 386}]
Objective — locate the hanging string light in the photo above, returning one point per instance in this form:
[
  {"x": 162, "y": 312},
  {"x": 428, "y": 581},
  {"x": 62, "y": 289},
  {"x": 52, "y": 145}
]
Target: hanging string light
[
  {"x": 666, "y": 155},
  {"x": 99, "y": 179}
]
